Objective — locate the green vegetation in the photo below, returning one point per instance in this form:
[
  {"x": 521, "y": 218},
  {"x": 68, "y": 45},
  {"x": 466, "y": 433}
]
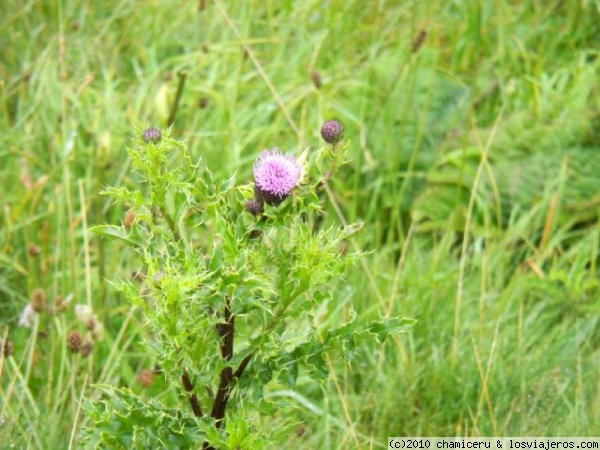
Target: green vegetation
[{"x": 473, "y": 165}]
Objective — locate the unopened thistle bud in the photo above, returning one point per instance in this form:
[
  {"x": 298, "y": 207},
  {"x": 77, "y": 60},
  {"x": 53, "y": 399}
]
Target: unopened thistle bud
[
  {"x": 254, "y": 207},
  {"x": 38, "y": 300},
  {"x": 74, "y": 341},
  {"x": 332, "y": 131},
  {"x": 275, "y": 175},
  {"x": 151, "y": 135},
  {"x": 255, "y": 234}
]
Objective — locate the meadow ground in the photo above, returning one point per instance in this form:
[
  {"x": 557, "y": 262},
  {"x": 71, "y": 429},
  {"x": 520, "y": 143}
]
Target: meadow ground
[{"x": 475, "y": 162}]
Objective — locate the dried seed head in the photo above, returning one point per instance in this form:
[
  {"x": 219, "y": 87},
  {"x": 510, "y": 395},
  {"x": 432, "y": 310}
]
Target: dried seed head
[
  {"x": 38, "y": 300},
  {"x": 60, "y": 305},
  {"x": 6, "y": 348},
  {"x": 128, "y": 220},
  {"x": 151, "y": 135},
  {"x": 33, "y": 250},
  {"x": 74, "y": 341},
  {"x": 203, "y": 102},
  {"x": 332, "y": 131},
  {"x": 145, "y": 377},
  {"x": 86, "y": 349},
  {"x": 91, "y": 323}
]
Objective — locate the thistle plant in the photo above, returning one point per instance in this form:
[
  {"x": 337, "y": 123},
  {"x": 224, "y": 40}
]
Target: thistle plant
[{"x": 238, "y": 293}]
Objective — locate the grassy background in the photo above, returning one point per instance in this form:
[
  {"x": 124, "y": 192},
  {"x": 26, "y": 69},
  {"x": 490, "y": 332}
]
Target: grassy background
[{"x": 475, "y": 163}]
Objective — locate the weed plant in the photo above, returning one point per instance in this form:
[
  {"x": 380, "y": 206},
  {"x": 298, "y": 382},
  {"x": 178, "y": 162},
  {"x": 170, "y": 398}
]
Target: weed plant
[{"x": 473, "y": 167}]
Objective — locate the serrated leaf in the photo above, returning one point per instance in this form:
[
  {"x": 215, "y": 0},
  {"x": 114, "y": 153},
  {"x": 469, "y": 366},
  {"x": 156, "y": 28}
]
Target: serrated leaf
[
  {"x": 115, "y": 232},
  {"x": 391, "y": 325}
]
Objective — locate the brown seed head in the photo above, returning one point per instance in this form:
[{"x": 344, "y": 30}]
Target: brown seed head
[
  {"x": 74, "y": 341},
  {"x": 203, "y": 102},
  {"x": 33, "y": 250},
  {"x": 86, "y": 349},
  {"x": 91, "y": 324},
  {"x": 128, "y": 220},
  {"x": 60, "y": 305},
  {"x": 38, "y": 300},
  {"x": 145, "y": 377},
  {"x": 7, "y": 348}
]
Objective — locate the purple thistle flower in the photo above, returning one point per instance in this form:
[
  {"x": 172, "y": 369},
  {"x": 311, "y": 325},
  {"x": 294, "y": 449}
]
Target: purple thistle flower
[{"x": 276, "y": 175}]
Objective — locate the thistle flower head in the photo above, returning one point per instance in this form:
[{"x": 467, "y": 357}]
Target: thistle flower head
[
  {"x": 276, "y": 175},
  {"x": 254, "y": 207},
  {"x": 151, "y": 135},
  {"x": 332, "y": 131}
]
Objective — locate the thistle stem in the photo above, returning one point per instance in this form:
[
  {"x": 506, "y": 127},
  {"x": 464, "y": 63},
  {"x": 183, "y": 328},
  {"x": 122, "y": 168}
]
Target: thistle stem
[
  {"x": 185, "y": 378},
  {"x": 189, "y": 387},
  {"x": 226, "y": 331},
  {"x": 170, "y": 223}
]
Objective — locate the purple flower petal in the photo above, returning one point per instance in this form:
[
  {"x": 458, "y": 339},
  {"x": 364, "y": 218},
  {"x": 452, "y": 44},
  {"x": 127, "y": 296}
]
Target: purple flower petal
[{"x": 276, "y": 174}]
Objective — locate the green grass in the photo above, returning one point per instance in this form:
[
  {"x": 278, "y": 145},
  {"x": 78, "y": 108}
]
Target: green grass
[{"x": 473, "y": 168}]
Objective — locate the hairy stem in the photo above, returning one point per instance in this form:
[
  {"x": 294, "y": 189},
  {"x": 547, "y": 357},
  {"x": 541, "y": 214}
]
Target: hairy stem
[
  {"x": 170, "y": 223},
  {"x": 185, "y": 378}
]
